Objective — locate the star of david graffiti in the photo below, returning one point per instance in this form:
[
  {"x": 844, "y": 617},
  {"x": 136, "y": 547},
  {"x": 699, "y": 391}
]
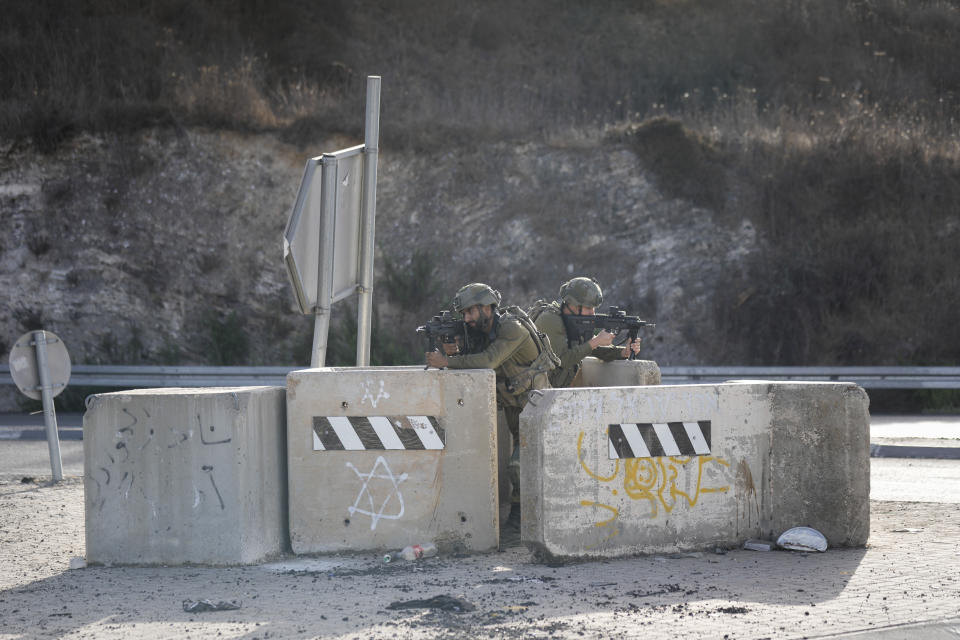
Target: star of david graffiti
[
  {"x": 368, "y": 388},
  {"x": 390, "y": 484}
]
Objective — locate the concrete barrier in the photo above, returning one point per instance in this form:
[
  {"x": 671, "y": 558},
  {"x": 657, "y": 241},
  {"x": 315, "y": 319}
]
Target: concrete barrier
[
  {"x": 637, "y": 470},
  {"x": 619, "y": 373},
  {"x": 383, "y": 457},
  {"x": 176, "y": 476}
]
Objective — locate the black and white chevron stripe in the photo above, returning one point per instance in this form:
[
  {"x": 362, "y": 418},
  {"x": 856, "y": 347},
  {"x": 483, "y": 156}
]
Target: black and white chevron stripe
[
  {"x": 359, "y": 433},
  {"x": 656, "y": 439}
]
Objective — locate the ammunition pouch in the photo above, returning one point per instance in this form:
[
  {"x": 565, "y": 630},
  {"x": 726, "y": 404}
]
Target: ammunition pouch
[{"x": 535, "y": 375}]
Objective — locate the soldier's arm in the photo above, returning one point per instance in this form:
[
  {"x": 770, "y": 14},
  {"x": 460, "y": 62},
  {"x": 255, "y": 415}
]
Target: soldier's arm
[
  {"x": 510, "y": 337},
  {"x": 552, "y": 325}
]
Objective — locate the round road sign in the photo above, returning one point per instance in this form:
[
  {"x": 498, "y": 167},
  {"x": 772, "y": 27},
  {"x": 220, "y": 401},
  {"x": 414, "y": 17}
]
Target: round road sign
[{"x": 23, "y": 364}]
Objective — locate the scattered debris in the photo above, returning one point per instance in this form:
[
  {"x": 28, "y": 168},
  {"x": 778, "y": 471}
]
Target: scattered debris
[
  {"x": 27, "y": 480},
  {"x": 664, "y": 588},
  {"x": 732, "y": 610},
  {"x": 758, "y": 545},
  {"x": 311, "y": 566},
  {"x": 688, "y": 554},
  {"x": 802, "y": 539},
  {"x": 441, "y": 602},
  {"x": 412, "y": 552},
  {"x": 519, "y": 579},
  {"x": 908, "y": 530},
  {"x": 199, "y": 606}
]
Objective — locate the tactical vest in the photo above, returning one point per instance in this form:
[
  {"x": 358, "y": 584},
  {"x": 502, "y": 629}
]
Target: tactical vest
[
  {"x": 538, "y": 307},
  {"x": 535, "y": 376}
]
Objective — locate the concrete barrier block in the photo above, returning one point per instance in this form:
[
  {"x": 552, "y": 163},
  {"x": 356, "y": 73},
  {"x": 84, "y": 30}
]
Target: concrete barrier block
[
  {"x": 177, "y": 476},
  {"x": 820, "y": 461},
  {"x": 383, "y": 457},
  {"x": 638, "y": 470},
  {"x": 619, "y": 373}
]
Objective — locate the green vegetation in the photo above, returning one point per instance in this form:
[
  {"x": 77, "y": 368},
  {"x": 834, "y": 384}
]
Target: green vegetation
[
  {"x": 412, "y": 286},
  {"x": 226, "y": 342},
  {"x": 385, "y": 347},
  {"x": 859, "y": 263}
]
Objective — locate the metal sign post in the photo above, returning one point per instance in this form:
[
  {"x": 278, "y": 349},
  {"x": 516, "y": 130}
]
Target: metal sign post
[
  {"x": 40, "y": 367},
  {"x": 367, "y": 217},
  {"x": 321, "y": 323},
  {"x": 49, "y": 411},
  {"x": 328, "y": 244}
]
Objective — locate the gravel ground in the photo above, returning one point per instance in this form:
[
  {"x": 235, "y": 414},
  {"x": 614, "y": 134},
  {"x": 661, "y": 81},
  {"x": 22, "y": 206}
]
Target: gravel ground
[{"x": 907, "y": 574}]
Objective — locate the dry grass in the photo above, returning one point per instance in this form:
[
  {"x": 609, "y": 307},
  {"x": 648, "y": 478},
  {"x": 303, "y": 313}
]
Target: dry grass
[{"x": 481, "y": 69}]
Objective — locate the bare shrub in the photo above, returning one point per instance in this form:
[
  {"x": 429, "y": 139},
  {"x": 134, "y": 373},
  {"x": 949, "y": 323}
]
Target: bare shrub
[
  {"x": 226, "y": 97},
  {"x": 686, "y": 164},
  {"x": 856, "y": 268}
]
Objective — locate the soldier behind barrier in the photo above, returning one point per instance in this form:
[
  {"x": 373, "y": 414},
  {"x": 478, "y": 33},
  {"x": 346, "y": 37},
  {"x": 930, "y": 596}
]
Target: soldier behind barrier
[
  {"x": 509, "y": 343},
  {"x": 578, "y": 298}
]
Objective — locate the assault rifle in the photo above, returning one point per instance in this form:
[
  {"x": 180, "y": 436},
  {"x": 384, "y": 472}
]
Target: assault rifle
[
  {"x": 442, "y": 329},
  {"x": 581, "y": 328}
]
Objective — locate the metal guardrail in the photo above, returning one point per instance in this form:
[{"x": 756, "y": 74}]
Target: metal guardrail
[
  {"x": 144, "y": 376},
  {"x": 866, "y": 377},
  {"x": 150, "y": 376}
]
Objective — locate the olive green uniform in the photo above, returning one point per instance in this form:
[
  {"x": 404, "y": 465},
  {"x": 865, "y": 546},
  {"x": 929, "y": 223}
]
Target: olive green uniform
[
  {"x": 550, "y": 322},
  {"x": 509, "y": 350}
]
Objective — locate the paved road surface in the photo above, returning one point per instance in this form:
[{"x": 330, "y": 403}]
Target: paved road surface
[{"x": 904, "y": 585}]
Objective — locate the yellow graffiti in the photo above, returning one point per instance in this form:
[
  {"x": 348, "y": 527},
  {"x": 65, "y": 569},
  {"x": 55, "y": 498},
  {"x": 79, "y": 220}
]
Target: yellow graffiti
[
  {"x": 616, "y": 468},
  {"x": 603, "y": 523},
  {"x": 654, "y": 480}
]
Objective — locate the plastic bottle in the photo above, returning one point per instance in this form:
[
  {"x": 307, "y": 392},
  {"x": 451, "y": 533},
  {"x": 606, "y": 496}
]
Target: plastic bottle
[{"x": 418, "y": 551}]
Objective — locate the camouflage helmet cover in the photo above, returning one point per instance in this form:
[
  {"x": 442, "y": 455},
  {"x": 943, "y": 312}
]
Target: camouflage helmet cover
[
  {"x": 584, "y": 292},
  {"x": 475, "y": 293}
]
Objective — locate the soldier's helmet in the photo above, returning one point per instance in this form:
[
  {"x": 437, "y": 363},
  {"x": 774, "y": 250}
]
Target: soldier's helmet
[
  {"x": 475, "y": 293},
  {"x": 583, "y": 292}
]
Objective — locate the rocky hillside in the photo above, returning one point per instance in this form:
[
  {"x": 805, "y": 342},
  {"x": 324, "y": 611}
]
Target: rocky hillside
[
  {"x": 770, "y": 184},
  {"x": 166, "y": 246}
]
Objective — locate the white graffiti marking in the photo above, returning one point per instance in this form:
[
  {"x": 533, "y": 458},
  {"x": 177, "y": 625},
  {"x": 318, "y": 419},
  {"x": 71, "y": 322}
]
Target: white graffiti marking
[
  {"x": 391, "y": 485},
  {"x": 368, "y": 395}
]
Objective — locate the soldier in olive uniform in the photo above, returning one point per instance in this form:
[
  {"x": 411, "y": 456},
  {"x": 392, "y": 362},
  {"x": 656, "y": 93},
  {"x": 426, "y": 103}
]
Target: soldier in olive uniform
[
  {"x": 500, "y": 341},
  {"x": 580, "y": 296}
]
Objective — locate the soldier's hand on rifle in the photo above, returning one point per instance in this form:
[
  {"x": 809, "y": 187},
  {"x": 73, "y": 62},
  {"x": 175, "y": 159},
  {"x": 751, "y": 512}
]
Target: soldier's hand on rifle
[
  {"x": 451, "y": 348},
  {"x": 602, "y": 339},
  {"x": 633, "y": 346},
  {"x": 436, "y": 359}
]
